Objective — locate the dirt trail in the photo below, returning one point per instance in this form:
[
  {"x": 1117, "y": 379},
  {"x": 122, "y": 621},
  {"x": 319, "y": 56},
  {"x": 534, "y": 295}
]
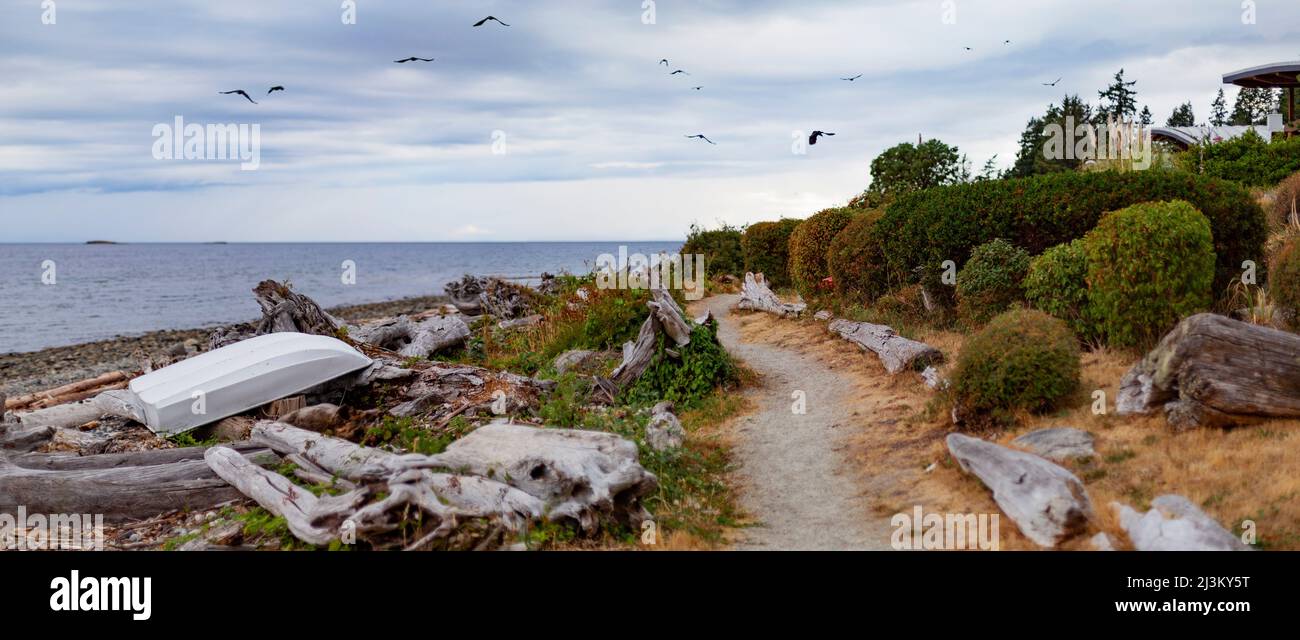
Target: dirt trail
[{"x": 797, "y": 478}]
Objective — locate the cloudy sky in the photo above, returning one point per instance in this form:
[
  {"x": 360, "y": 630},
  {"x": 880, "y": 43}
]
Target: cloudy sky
[{"x": 359, "y": 148}]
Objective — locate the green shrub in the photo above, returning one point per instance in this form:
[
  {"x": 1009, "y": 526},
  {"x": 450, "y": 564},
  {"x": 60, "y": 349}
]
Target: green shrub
[
  {"x": 720, "y": 248},
  {"x": 1247, "y": 159},
  {"x": 698, "y": 369},
  {"x": 1057, "y": 283},
  {"x": 1022, "y": 360},
  {"x": 766, "y": 249},
  {"x": 990, "y": 281},
  {"x": 1148, "y": 266},
  {"x": 856, "y": 260},
  {"x": 945, "y": 223},
  {"x": 1284, "y": 277},
  {"x": 809, "y": 245}
]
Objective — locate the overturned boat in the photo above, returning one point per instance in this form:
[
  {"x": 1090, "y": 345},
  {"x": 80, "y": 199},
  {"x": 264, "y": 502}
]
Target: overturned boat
[{"x": 238, "y": 377}]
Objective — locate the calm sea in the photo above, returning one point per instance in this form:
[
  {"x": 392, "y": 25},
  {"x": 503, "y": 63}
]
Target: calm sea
[{"x": 104, "y": 291}]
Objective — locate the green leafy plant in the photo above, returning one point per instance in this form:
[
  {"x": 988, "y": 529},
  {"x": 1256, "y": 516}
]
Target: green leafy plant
[
  {"x": 720, "y": 248},
  {"x": 697, "y": 369},
  {"x": 1149, "y": 265},
  {"x": 1022, "y": 360},
  {"x": 989, "y": 282},
  {"x": 856, "y": 260},
  {"x": 1248, "y": 159},
  {"x": 1057, "y": 283}
]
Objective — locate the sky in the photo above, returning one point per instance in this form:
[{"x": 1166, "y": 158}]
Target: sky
[{"x": 562, "y": 126}]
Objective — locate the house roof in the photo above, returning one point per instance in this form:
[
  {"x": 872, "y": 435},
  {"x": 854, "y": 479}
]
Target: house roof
[{"x": 1269, "y": 76}]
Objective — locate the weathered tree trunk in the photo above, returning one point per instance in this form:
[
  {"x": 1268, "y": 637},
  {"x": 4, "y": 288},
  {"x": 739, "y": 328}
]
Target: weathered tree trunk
[
  {"x": 1045, "y": 501},
  {"x": 120, "y": 494},
  {"x": 637, "y": 355},
  {"x": 415, "y": 338},
  {"x": 1175, "y": 524},
  {"x": 755, "y": 295},
  {"x": 1211, "y": 370},
  {"x": 153, "y": 457},
  {"x": 671, "y": 317},
  {"x": 896, "y": 352},
  {"x": 501, "y": 391},
  {"x": 285, "y": 310}
]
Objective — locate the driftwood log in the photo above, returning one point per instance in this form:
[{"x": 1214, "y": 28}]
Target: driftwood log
[
  {"x": 1211, "y": 370},
  {"x": 755, "y": 295},
  {"x": 119, "y": 493},
  {"x": 69, "y": 392},
  {"x": 1175, "y": 524},
  {"x": 666, "y": 316},
  {"x": 494, "y": 296},
  {"x": 896, "y": 352},
  {"x": 442, "y": 384},
  {"x": 412, "y": 338},
  {"x": 1047, "y": 503}
]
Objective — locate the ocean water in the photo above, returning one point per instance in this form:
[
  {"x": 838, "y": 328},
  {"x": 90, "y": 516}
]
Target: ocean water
[{"x": 104, "y": 291}]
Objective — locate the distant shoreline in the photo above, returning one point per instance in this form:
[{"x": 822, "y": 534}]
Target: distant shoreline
[{"x": 27, "y": 371}]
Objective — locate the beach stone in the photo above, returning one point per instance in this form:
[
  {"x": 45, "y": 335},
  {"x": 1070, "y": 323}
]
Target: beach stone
[
  {"x": 664, "y": 431},
  {"x": 1058, "y": 443},
  {"x": 572, "y": 359},
  {"x": 1175, "y": 524},
  {"x": 823, "y": 315}
]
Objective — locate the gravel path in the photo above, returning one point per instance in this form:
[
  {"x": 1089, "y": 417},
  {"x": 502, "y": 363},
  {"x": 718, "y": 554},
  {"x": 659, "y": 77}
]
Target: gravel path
[{"x": 795, "y": 479}]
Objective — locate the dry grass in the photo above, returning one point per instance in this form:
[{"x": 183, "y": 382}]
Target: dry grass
[{"x": 1237, "y": 474}]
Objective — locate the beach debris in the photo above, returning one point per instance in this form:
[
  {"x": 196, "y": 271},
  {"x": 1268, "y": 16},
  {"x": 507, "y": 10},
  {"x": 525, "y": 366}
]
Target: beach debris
[
  {"x": 470, "y": 387},
  {"x": 1058, "y": 443},
  {"x": 318, "y": 417},
  {"x": 283, "y": 310},
  {"x": 824, "y": 315},
  {"x": 520, "y": 323},
  {"x": 414, "y": 338},
  {"x": 1047, "y": 503},
  {"x": 666, "y": 316},
  {"x": 755, "y": 295},
  {"x": 72, "y": 392},
  {"x": 896, "y": 352},
  {"x": 239, "y": 377},
  {"x": 933, "y": 379},
  {"x": 1175, "y": 524},
  {"x": 664, "y": 431},
  {"x": 23, "y": 437},
  {"x": 572, "y": 359},
  {"x": 494, "y": 296},
  {"x": 103, "y": 484},
  {"x": 1211, "y": 370},
  {"x": 506, "y": 477}
]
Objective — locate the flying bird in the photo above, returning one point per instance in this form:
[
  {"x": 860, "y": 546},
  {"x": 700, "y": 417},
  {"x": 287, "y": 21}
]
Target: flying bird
[
  {"x": 664, "y": 62},
  {"x": 239, "y": 92},
  {"x": 812, "y": 139},
  {"x": 274, "y": 89},
  {"x": 1006, "y": 42},
  {"x": 701, "y": 136},
  {"x": 413, "y": 59},
  {"x": 1051, "y": 84},
  {"x": 677, "y": 72},
  {"x": 697, "y": 88},
  {"x": 969, "y": 49},
  {"x": 853, "y": 78},
  {"x": 492, "y": 18}
]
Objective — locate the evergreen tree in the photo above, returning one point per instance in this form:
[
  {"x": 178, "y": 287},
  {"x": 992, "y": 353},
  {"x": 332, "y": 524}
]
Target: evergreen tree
[
  {"x": 1030, "y": 159},
  {"x": 1182, "y": 116},
  {"x": 1219, "y": 110},
  {"x": 1146, "y": 118},
  {"x": 1253, "y": 106},
  {"x": 1119, "y": 100}
]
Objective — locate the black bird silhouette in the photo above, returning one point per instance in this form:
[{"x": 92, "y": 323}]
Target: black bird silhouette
[
  {"x": 968, "y": 49},
  {"x": 1051, "y": 84},
  {"x": 677, "y": 72},
  {"x": 1006, "y": 42},
  {"x": 853, "y": 78},
  {"x": 239, "y": 92},
  {"x": 492, "y": 18},
  {"x": 664, "y": 62},
  {"x": 697, "y": 88},
  {"x": 413, "y": 59},
  {"x": 274, "y": 89},
  {"x": 701, "y": 136},
  {"x": 812, "y": 139}
]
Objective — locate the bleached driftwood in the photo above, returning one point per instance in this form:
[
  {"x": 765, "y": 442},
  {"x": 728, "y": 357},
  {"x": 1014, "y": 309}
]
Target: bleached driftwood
[
  {"x": 578, "y": 475},
  {"x": 311, "y": 519},
  {"x": 1211, "y": 370},
  {"x": 119, "y": 493},
  {"x": 335, "y": 455},
  {"x": 755, "y": 295},
  {"x": 413, "y": 338},
  {"x": 500, "y": 391},
  {"x": 896, "y": 352},
  {"x": 666, "y": 316},
  {"x": 1045, "y": 501},
  {"x": 638, "y": 354},
  {"x": 664, "y": 431},
  {"x": 494, "y": 296},
  {"x": 282, "y": 310},
  {"x": 149, "y": 458},
  {"x": 1175, "y": 524},
  {"x": 71, "y": 392},
  {"x": 671, "y": 318},
  {"x": 459, "y": 512}
]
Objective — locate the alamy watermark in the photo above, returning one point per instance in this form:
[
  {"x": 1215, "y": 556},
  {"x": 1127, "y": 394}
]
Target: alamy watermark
[
  {"x": 944, "y": 531},
  {"x": 22, "y": 531},
  {"x": 1114, "y": 140},
  {"x": 193, "y": 141},
  {"x": 660, "y": 271}
]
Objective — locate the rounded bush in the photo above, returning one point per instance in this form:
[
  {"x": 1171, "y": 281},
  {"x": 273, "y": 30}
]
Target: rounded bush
[
  {"x": 1149, "y": 266},
  {"x": 808, "y": 247},
  {"x": 766, "y": 248},
  {"x": 720, "y": 248},
  {"x": 990, "y": 281},
  {"x": 1022, "y": 360},
  {"x": 1057, "y": 283},
  {"x": 856, "y": 260},
  {"x": 923, "y": 229},
  {"x": 1284, "y": 277}
]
